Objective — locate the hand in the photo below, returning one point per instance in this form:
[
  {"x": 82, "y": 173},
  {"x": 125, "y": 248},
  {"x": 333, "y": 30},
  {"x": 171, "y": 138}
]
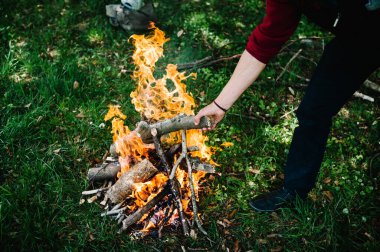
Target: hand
[{"x": 212, "y": 111}]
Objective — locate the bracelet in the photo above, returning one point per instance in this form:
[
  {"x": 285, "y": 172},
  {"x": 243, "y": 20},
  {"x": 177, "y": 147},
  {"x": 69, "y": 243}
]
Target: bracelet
[{"x": 224, "y": 110}]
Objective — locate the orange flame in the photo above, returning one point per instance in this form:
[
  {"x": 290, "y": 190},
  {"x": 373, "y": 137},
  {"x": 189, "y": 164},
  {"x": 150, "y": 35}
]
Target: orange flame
[{"x": 156, "y": 99}]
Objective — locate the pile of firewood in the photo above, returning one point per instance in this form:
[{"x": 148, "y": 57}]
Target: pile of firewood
[{"x": 114, "y": 193}]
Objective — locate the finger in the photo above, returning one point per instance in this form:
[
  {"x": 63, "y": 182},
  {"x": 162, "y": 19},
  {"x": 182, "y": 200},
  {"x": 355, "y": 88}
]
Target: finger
[{"x": 197, "y": 117}]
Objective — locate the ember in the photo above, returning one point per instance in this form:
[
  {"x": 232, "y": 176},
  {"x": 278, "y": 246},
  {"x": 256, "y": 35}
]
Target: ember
[{"x": 152, "y": 178}]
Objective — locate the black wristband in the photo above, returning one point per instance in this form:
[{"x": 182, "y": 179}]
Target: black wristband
[{"x": 224, "y": 110}]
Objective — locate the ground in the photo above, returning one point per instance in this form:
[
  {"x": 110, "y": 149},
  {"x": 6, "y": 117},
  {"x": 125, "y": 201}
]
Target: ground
[{"x": 61, "y": 64}]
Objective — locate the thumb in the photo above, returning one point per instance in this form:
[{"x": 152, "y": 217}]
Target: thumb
[{"x": 197, "y": 117}]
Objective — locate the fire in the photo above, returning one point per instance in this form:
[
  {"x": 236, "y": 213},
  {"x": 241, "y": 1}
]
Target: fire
[{"x": 156, "y": 100}]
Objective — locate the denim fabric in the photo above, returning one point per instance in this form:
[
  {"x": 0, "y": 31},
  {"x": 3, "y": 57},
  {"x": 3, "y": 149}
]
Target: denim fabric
[{"x": 344, "y": 66}]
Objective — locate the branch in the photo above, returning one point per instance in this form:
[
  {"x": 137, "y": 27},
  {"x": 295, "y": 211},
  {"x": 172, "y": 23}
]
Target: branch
[
  {"x": 190, "y": 174},
  {"x": 140, "y": 172},
  {"x": 372, "y": 85},
  {"x": 208, "y": 61},
  {"x": 171, "y": 182},
  {"x": 103, "y": 173},
  {"x": 176, "y": 123},
  {"x": 288, "y": 64},
  {"x": 136, "y": 216},
  {"x": 364, "y": 97}
]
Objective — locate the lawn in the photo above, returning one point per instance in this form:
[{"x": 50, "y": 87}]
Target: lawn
[{"x": 62, "y": 64}]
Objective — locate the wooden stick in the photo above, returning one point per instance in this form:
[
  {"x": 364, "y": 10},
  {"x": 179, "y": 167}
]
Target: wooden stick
[
  {"x": 140, "y": 172},
  {"x": 191, "y": 182},
  {"x": 372, "y": 85},
  {"x": 176, "y": 123},
  {"x": 136, "y": 216},
  {"x": 288, "y": 64},
  {"x": 103, "y": 173},
  {"x": 95, "y": 191},
  {"x": 171, "y": 182},
  {"x": 112, "y": 212},
  {"x": 208, "y": 61},
  {"x": 364, "y": 97}
]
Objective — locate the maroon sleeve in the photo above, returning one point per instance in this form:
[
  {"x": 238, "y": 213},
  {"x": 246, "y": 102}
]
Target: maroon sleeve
[{"x": 281, "y": 20}]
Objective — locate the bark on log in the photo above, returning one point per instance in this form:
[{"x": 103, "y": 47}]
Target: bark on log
[
  {"x": 102, "y": 174},
  {"x": 140, "y": 172},
  {"x": 177, "y": 123}
]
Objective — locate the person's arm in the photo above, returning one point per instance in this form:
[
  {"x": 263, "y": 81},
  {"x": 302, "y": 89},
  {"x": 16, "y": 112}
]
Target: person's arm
[
  {"x": 246, "y": 72},
  {"x": 280, "y": 22}
]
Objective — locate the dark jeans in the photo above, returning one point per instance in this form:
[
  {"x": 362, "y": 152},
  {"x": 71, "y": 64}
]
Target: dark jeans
[{"x": 345, "y": 64}]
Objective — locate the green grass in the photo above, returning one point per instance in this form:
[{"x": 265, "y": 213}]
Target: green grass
[{"x": 46, "y": 148}]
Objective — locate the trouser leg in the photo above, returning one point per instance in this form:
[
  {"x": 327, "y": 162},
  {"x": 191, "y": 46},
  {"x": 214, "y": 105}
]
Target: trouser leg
[{"x": 340, "y": 72}]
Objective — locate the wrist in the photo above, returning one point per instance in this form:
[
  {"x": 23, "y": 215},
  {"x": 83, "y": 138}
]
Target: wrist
[{"x": 220, "y": 107}]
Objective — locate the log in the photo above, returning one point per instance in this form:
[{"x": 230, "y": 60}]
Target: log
[
  {"x": 136, "y": 216},
  {"x": 103, "y": 173},
  {"x": 140, "y": 172},
  {"x": 180, "y": 122},
  {"x": 372, "y": 85}
]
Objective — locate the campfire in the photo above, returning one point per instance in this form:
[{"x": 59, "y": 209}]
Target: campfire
[{"x": 151, "y": 177}]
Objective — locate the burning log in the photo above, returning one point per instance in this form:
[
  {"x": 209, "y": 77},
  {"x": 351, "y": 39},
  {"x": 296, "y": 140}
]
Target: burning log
[
  {"x": 171, "y": 182},
  {"x": 107, "y": 172},
  {"x": 180, "y": 122},
  {"x": 136, "y": 216},
  {"x": 140, "y": 172}
]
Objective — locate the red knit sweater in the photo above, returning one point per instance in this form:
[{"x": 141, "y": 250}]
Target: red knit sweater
[{"x": 279, "y": 24}]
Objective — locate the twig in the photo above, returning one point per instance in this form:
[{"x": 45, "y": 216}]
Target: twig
[
  {"x": 364, "y": 97},
  {"x": 112, "y": 212},
  {"x": 190, "y": 174},
  {"x": 193, "y": 198},
  {"x": 171, "y": 182},
  {"x": 95, "y": 191},
  {"x": 205, "y": 62},
  {"x": 289, "y": 112},
  {"x": 133, "y": 218},
  {"x": 372, "y": 85},
  {"x": 288, "y": 64}
]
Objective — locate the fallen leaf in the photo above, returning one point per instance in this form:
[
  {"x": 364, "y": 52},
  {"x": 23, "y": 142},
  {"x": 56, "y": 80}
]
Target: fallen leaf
[
  {"x": 227, "y": 222},
  {"x": 179, "y": 33},
  {"x": 236, "y": 246},
  {"x": 56, "y": 151},
  {"x": 313, "y": 196},
  {"x": 328, "y": 195},
  {"x": 254, "y": 171},
  {"x": 80, "y": 115},
  {"x": 39, "y": 119},
  {"x": 27, "y": 105},
  {"x": 327, "y": 180},
  {"x": 82, "y": 201},
  {"x": 232, "y": 214},
  {"x": 91, "y": 237},
  {"x": 227, "y": 144},
  {"x": 221, "y": 223},
  {"x": 262, "y": 241},
  {"x": 275, "y": 216},
  {"x": 76, "y": 85},
  {"x": 271, "y": 236},
  {"x": 276, "y": 249},
  {"x": 193, "y": 234},
  {"x": 281, "y": 176}
]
